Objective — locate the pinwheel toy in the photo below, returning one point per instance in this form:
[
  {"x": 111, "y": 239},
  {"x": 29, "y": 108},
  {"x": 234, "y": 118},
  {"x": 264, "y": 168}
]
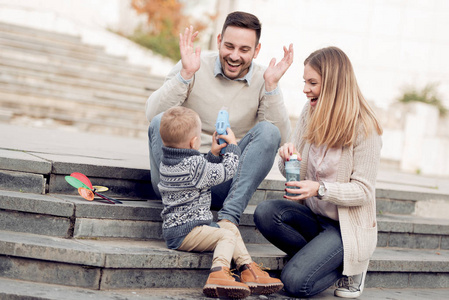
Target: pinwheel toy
[{"x": 86, "y": 189}]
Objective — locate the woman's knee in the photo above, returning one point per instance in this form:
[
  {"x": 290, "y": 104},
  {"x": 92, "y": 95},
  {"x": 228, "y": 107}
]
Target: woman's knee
[
  {"x": 264, "y": 210},
  {"x": 267, "y": 214},
  {"x": 295, "y": 281}
]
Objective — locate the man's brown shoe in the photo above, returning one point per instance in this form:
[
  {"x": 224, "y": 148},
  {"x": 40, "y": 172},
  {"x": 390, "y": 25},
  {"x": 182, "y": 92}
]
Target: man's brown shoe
[
  {"x": 258, "y": 280},
  {"x": 221, "y": 284}
]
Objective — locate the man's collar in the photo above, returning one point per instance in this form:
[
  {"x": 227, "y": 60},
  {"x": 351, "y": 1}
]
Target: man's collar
[{"x": 219, "y": 71}]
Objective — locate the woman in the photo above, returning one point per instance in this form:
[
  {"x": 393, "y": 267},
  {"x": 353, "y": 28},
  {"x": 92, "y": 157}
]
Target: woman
[{"x": 332, "y": 233}]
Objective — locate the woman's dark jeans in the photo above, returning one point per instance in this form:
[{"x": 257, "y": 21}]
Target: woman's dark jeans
[{"x": 312, "y": 242}]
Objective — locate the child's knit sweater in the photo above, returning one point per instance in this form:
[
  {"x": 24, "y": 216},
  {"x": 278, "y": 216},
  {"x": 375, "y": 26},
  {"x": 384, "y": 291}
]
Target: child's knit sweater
[{"x": 186, "y": 177}]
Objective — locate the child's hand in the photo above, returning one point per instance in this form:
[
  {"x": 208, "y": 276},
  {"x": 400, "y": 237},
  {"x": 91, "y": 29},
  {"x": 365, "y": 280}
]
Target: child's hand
[
  {"x": 215, "y": 148},
  {"x": 229, "y": 138}
]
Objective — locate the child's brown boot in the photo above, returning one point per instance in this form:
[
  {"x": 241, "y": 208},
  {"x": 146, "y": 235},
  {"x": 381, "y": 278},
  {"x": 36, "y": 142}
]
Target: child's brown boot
[
  {"x": 221, "y": 284},
  {"x": 258, "y": 280}
]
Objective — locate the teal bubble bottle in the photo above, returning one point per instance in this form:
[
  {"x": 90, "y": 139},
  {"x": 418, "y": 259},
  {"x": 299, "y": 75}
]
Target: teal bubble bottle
[{"x": 292, "y": 168}]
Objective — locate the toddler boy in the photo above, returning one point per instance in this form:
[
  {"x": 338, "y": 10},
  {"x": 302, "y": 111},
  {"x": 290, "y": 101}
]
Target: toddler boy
[{"x": 186, "y": 177}]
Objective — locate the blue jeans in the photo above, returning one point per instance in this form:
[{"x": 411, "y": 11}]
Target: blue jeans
[
  {"x": 258, "y": 147},
  {"x": 312, "y": 242}
]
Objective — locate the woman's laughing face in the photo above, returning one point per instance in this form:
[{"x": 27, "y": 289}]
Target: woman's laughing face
[{"x": 312, "y": 84}]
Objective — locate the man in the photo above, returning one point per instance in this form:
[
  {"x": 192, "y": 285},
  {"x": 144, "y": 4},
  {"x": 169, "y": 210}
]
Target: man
[{"x": 207, "y": 83}]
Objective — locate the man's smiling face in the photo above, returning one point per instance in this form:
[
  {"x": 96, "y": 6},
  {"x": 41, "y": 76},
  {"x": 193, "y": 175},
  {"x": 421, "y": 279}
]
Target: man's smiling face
[{"x": 237, "y": 48}]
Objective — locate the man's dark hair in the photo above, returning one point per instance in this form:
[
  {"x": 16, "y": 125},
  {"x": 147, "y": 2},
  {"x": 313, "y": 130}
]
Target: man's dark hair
[{"x": 243, "y": 20}]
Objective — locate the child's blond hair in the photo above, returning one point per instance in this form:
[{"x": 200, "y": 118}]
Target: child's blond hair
[{"x": 178, "y": 126}]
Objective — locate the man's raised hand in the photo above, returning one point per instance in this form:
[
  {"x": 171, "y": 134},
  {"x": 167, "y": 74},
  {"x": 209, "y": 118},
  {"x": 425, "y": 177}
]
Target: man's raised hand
[
  {"x": 190, "y": 59},
  {"x": 274, "y": 72}
]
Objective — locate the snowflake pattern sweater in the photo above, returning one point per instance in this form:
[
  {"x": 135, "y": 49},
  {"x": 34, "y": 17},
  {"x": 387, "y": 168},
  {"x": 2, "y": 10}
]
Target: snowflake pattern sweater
[{"x": 186, "y": 177}]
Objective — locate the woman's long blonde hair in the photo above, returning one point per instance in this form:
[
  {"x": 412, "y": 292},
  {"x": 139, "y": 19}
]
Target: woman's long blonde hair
[{"x": 335, "y": 119}]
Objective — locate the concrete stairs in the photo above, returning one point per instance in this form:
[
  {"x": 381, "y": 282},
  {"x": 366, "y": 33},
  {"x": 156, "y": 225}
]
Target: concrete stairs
[
  {"x": 50, "y": 235},
  {"x": 49, "y": 76}
]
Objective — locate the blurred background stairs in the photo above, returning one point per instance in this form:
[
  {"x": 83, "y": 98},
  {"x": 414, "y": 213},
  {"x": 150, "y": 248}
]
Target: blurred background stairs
[{"x": 53, "y": 80}]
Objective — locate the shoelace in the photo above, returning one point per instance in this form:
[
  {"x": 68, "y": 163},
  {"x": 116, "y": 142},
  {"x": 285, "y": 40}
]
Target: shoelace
[
  {"x": 262, "y": 268},
  {"x": 232, "y": 274},
  {"x": 346, "y": 282}
]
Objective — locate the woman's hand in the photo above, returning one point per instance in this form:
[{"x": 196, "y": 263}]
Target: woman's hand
[
  {"x": 304, "y": 190},
  {"x": 286, "y": 150}
]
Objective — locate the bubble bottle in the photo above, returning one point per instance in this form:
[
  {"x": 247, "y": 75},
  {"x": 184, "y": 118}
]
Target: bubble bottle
[{"x": 292, "y": 167}]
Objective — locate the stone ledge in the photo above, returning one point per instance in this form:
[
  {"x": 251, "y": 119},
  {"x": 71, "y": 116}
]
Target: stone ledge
[
  {"x": 130, "y": 254},
  {"x": 22, "y": 182},
  {"x": 35, "y": 203},
  {"x": 16, "y": 160}
]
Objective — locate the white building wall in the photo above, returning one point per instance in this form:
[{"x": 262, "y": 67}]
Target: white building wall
[{"x": 392, "y": 45}]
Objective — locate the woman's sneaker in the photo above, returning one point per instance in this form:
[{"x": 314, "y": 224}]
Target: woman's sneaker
[{"x": 350, "y": 286}]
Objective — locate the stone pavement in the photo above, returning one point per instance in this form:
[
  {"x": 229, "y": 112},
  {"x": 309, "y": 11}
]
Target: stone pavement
[{"x": 13, "y": 290}]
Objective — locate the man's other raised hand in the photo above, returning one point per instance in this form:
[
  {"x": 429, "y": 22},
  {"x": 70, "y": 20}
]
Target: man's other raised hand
[{"x": 274, "y": 72}]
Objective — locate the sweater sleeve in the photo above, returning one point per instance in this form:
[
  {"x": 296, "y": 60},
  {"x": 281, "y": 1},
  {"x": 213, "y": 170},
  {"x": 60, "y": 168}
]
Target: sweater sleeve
[
  {"x": 272, "y": 109},
  {"x": 215, "y": 173},
  {"x": 172, "y": 93}
]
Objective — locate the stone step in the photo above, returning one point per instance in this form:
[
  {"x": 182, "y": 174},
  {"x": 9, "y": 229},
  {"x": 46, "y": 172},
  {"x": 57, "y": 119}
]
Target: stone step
[
  {"x": 82, "y": 52},
  {"x": 71, "y": 216},
  {"x": 63, "y": 152},
  {"x": 78, "y": 84},
  {"x": 84, "y": 64},
  {"x": 408, "y": 200},
  {"x": 109, "y": 264},
  {"x": 68, "y": 104},
  {"x": 131, "y": 264},
  {"x": 407, "y": 231},
  {"x": 63, "y": 97},
  {"x": 75, "y": 115},
  {"x": 390, "y": 200},
  {"x": 42, "y": 34},
  {"x": 54, "y": 47},
  {"x": 18, "y": 289},
  {"x": 50, "y": 39},
  {"x": 124, "y": 78},
  {"x": 41, "y": 118}
]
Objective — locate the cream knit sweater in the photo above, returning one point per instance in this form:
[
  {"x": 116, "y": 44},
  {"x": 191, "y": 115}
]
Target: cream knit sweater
[
  {"x": 353, "y": 193},
  {"x": 247, "y": 104}
]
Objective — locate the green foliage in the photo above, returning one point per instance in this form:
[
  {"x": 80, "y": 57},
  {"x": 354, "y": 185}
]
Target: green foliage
[
  {"x": 163, "y": 43},
  {"x": 165, "y": 20},
  {"x": 427, "y": 95}
]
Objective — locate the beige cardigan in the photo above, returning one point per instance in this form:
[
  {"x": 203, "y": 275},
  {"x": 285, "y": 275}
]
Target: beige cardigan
[{"x": 353, "y": 193}]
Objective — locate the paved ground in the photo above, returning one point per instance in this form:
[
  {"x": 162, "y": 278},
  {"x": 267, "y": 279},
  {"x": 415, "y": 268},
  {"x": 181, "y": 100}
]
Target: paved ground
[{"x": 33, "y": 291}]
